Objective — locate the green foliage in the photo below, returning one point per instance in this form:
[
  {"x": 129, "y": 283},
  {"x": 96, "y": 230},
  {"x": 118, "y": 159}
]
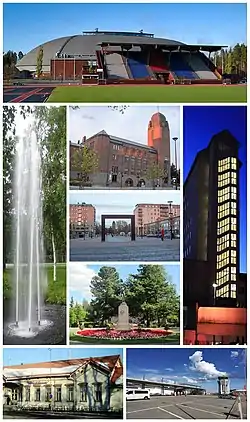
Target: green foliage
[
  {"x": 39, "y": 62},
  {"x": 233, "y": 60},
  {"x": 107, "y": 291},
  {"x": 151, "y": 296},
  {"x": 84, "y": 160},
  {"x": 154, "y": 172},
  {"x": 51, "y": 131},
  {"x": 56, "y": 292},
  {"x": 7, "y": 290},
  {"x": 77, "y": 313}
]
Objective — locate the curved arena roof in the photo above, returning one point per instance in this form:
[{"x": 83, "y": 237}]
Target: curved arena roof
[{"x": 86, "y": 45}]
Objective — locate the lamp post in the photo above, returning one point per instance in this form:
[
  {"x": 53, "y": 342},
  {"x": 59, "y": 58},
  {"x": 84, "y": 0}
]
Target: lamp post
[
  {"x": 121, "y": 179},
  {"x": 175, "y": 139},
  {"x": 170, "y": 219},
  {"x": 214, "y": 291},
  {"x": 50, "y": 371}
]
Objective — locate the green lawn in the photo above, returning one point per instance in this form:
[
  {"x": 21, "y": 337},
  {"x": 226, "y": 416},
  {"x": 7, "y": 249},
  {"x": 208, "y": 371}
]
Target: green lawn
[
  {"x": 56, "y": 292},
  {"x": 172, "y": 339},
  {"x": 157, "y": 94}
]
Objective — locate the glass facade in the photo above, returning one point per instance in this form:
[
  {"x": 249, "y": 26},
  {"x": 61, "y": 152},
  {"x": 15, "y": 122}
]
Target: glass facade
[{"x": 226, "y": 228}]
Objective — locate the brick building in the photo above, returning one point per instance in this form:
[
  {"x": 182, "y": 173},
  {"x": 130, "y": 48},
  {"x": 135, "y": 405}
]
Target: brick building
[
  {"x": 82, "y": 217},
  {"x": 124, "y": 163},
  {"x": 146, "y": 214}
]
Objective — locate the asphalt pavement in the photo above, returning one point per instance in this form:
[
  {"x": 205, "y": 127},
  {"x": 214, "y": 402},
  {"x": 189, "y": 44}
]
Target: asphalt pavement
[
  {"x": 146, "y": 249},
  {"x": 181, "y": 407}
]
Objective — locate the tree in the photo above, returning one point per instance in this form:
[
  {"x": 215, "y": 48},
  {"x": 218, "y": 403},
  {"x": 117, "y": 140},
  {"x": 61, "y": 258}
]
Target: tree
[
  {"x": 39, "y": 62},
  {"x": 154, "y": 173},
  {"x": 9, "y": 147},
  {"x": 106, "y": 288},
  {"x": 20, "y": 55},
  {"x": 51, "y": 131},
  {"x": 151, "y": 296},
  {"x": 85, "y": 161},
  {"x": 120, "y": 109}
]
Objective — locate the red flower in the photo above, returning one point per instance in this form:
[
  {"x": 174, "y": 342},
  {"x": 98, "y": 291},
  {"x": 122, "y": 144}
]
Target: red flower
[{"x": 129, "y": 334}]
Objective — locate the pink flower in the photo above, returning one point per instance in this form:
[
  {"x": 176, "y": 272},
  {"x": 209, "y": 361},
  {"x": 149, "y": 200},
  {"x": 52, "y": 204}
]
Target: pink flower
[{"x": 100, "y": 333}]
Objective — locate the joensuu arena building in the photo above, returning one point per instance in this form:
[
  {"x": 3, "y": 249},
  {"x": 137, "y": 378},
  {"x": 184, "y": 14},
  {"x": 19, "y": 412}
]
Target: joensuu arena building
[
  {"x": 122, "y": 57},
  {"x": 88, "y": 384}
]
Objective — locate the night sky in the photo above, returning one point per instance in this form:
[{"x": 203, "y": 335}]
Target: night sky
[{"x": 200, "y": 124}]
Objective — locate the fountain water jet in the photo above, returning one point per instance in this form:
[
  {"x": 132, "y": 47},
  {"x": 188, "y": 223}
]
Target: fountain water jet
[{"x": 29, "y": 272}]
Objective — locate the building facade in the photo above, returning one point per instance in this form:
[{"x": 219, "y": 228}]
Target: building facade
[
  {"x": 150, "y": 218},
  {"x": 82, "y": 219},
  {"x": 93, "y": 384},
  {"x": 124, "y": 163},
  {"x": 211, "y": 219}
]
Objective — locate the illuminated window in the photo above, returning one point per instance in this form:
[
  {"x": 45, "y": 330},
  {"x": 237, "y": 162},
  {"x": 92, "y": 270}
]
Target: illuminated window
[
  {"x": 233, "y": 295},
  {"x": 233, "y": 270},
  {"x": 233, "y": 253}
]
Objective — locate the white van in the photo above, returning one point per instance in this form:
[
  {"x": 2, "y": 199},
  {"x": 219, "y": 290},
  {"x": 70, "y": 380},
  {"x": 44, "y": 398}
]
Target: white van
[{"x": 137, "y": 394}]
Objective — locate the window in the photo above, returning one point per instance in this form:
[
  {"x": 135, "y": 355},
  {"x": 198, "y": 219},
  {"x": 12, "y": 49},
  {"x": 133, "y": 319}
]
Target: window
[
  {"x": 15, "y": 394},
  {"x": 98, "y": 392},
  {"x": 58, "y": 394},
  {"x": 83, "y": 392},
  {"x": 38, "y": 394},
  {"x": 48, "y": 394},
  {"x": 70, "y": 393},
  {"x": 114, "y": 157},
  {"x": 27, "y": 393}
]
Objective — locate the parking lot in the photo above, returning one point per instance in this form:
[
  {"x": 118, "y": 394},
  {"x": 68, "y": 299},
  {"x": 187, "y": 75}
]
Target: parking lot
[{"x": 181, "y": 407}]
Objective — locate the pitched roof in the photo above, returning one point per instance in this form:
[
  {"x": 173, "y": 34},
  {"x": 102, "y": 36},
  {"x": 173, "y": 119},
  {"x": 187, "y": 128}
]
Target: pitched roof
[{"x": 110, "y": 364}]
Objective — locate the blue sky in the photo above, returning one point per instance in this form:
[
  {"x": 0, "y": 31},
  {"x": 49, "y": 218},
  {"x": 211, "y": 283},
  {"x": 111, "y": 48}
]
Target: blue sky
[
  {"x": 29, "y": 355},
  {"x": 200, "y": 124},
  {"x": 193, "y": 366},
  {"x": 28, "y": 25},
  {"x": 80, "y": 276}
]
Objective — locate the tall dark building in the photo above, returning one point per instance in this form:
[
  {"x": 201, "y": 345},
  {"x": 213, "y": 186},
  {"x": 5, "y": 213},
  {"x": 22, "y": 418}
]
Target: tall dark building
[{"x": 211, "y": 226}]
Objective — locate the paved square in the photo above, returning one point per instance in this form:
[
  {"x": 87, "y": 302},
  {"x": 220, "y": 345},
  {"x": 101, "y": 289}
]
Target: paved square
[
  {"x": 123, "y": 249},
  {"x": 180, "y": 407}
]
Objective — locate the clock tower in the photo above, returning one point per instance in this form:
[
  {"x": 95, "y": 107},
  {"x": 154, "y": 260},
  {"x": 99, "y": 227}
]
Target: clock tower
[{"x": 159, "y": 139}]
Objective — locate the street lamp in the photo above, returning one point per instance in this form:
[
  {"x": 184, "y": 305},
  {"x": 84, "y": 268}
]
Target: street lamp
[
  {"x": 121, "y": 179},
  {"x": 50, "y": 370},
  {"x": 170, "y": 219},
  {"x": 214, "y": 295},
  {"x": 175, "y": 139}
]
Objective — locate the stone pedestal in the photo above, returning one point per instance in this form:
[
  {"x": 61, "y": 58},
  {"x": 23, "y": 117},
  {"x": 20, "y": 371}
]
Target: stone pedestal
[{"x": 123, "y": 317}]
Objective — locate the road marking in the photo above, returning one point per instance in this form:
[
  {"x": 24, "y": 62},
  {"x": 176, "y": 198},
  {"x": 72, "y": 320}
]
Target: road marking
[
  {"x": 201, "y": 410},
  {"x": 172, "y": 414},
  {"x": 143, "y": 410}
]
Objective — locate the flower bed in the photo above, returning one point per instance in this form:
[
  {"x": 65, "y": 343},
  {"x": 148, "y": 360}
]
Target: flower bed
[{"x": 101, "y": 333}]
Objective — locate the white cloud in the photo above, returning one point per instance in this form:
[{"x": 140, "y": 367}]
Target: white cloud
[
  {"x": 169, "y": 369},
  {"x": 207, "y": 369},
  {"x": 234, "y": 354},
  {"x": 80, "y": 276},
  {"x": 131, "y": 125},
  {"x": 185, "y": 364},
  {"x": 190, "y": 380}
]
